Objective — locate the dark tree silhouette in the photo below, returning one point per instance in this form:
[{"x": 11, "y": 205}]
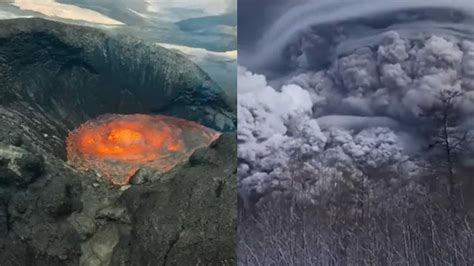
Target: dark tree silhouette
[{"x": 448, "y": 139}]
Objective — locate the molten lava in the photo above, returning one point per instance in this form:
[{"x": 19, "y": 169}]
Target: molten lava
[{"x": 118, "y": 145}]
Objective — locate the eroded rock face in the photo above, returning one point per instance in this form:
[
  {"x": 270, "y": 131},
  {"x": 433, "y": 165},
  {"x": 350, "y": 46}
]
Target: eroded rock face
[
  {"x": 187, "y": 217},
  {"x": 34, "y": 209},
  {"x": 65, "y": 218}
]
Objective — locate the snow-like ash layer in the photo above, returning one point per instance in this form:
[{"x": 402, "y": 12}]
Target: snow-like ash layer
[{"x": 118, "y": 145}]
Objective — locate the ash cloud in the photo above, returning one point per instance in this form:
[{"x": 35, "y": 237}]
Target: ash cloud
[
  {"x": 344, "y": 24},
  {"x": 255, "y": 17},
  {"x": 276, "y": 124},
  {"x": 349, "y": 93}
]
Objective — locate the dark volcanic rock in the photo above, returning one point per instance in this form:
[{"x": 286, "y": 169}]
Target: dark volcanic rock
[
  {"x": 61, "y": 198},
  {"x": 31, "y": 167},
  {"x": 8, "y": 177},
  {"x": 16, "y": 139},
  {"x": 36, "y": 228},
  {"x": 53, "y": 77},
  {"x": 187, "y": 218}
]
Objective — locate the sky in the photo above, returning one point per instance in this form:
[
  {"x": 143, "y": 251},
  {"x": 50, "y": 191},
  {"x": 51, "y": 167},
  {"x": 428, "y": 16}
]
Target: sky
[
  {"x": 211, "y": 7},
  {"x": 71, "y": 8}
]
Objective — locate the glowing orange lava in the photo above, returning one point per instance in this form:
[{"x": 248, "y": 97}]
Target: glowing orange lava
[{"x": 118, "y": 145}]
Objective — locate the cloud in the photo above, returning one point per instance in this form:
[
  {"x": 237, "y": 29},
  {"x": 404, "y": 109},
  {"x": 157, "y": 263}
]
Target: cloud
[
  {"x": 344, "y": 24},
  {"x": 268, "y": 121},
  {"x": 65, "y": 11},
  {"x": 350, "y": 89},
  {"x": 210, "y": 7},
  {"x": 365, "y": 110},
  {"x": 276, "y": 124}
]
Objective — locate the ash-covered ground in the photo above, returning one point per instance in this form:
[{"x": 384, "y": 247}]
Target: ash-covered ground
[{"x": 54, "y": 77}]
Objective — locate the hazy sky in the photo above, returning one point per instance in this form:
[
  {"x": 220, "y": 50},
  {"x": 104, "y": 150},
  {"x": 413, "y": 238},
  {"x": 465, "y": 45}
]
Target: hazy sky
[
  {"x": 212, "y": 7},
  {"x": 255, "y": 16}
]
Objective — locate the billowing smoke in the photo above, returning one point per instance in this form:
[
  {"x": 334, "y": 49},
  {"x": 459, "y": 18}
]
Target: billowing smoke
[
  {"x": 351, "y": 91},
  {"x": 277, "y": 125}
]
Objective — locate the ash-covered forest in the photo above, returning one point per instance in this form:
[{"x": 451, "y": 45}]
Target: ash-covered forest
[{"x": 356, "y": 134}]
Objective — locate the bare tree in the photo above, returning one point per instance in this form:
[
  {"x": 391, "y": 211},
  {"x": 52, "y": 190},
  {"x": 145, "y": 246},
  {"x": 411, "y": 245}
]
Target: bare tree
[
  {"x": 368, "y": 221},
  {"x": 448, "y": 139},
  {"x": 348, "y": 224},
  {"x": 396, "y": 230}
]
